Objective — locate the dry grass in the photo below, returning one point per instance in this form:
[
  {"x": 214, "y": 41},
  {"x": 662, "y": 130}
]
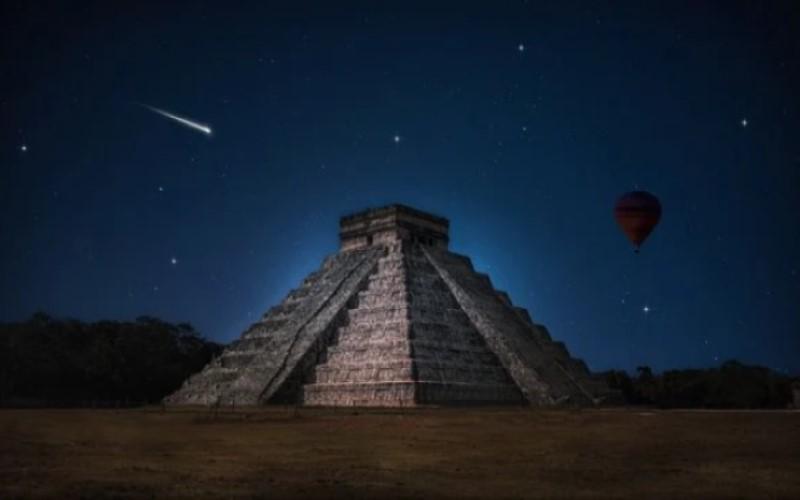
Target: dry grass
[{"x": 458, "y": 453}]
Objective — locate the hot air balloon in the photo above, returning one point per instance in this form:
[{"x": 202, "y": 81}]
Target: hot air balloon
[{"x": 637, "y": 213}]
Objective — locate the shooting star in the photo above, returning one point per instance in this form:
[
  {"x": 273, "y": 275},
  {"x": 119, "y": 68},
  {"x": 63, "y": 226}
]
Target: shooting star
[{"x": 183, "y": 121}]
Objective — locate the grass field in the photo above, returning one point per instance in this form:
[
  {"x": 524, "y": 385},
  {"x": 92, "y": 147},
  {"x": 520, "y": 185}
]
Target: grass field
[{"x": 456, "y": 453}]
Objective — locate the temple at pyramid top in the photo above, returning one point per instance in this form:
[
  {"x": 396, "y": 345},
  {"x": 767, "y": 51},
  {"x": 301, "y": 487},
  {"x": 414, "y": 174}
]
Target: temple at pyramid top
[
  {"x": 394, "y": 318},
  {"x": 390, "y": 224}
]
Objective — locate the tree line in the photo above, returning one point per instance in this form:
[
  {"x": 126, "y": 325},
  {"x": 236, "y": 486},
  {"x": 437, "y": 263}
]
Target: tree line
[
  {"x": 731, "y": 385},
  {"x": 46, "y": 361}
]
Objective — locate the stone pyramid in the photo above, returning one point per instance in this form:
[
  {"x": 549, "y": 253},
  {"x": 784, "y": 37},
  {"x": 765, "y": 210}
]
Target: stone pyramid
[{"x": 394, "y": 319}]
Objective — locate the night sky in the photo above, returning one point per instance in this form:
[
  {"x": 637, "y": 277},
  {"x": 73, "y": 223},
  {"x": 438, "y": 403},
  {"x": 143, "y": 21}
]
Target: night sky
[{"x": 521, "y": 122}]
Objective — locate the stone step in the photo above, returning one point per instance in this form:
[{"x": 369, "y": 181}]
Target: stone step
[
  {"x": 578, "y": 367},
  {"x": 338, "y": 376},
  {"x": 433, "y": 332},
  {"x": 524, "y": 314},
  {"x": 275, "y": 323},
  {"x": 312, "y": 279},
  {"x": 252, "y": 343},
  {"x": 272, "y": 332},
  {"x": 396, "y": 298},
  {"x": 387, "y": 275},
  {"x": 297, "y": 295},
  {"x": 373, "y": 315},
  {"x": 425, "y": 301},
  {"x": 408, "y": 394},
  {"x": 457, "y": 355},
  {"x": 421, "y": 268},
  {"x": 454, "y": 316},
  {"x": 377, "y": 314},
  {"x": 240, "y": 350},
  {"x": 557, "y": 349},
  {"x": 398, "y": 344},
  {"x": 437, "y": 371},
  {"x": 401, "y": 369},
  {"x": 354, "y": 339},
  {"x": 503, "y": 296},
  {"x": 467, "y": 393},
  {"x": 365, "y": 394},
  {"x": 236, "y": 359},
  {"x": 283, "y": 310},
  {"x": 363, "y": 358},
  {"x": 542, "y": 331},
  {"x": 391, "y": 265},
  {"x": 367, "y": 293},
  {"x": 440, "y": 331},
  {"x": 455, "y": 347},
  {"x": 461, "y": 345},
  {"x": 427, "y": 280},
  {"x": 455, "y": 261},
  {"x": 215, "y": 374},
  {"x": 394, "y": 281},
  {"x": 399, "y": 327},
  {"x": 384, "y": 284},
  {"x": 386, "y": 363},
  {"x": 456, "y": 351},
  {"x": 469, "y": 276}
]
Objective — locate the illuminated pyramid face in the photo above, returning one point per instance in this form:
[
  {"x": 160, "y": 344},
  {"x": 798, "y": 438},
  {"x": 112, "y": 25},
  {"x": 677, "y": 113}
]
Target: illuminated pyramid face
[{"x": 394, "y": 319}]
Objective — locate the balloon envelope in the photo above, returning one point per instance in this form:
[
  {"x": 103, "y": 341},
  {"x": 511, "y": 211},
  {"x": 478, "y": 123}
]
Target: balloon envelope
[{"x": 637, "y": 213}]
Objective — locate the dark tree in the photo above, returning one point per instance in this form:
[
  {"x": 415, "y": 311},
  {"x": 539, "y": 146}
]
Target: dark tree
[
  {"x": 47, "y": 361},
  {"x": 732, "y": 385}
]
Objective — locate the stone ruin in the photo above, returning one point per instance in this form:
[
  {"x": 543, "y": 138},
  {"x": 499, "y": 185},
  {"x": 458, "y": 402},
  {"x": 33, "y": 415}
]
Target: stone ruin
[{"x": 394, "y": 319}]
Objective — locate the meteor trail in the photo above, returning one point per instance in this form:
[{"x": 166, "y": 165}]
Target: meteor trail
[{"x": 183, "y": 121}]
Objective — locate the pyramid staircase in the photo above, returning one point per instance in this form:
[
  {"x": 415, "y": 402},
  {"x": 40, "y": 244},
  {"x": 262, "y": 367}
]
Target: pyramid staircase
[
  {"x": 406, "y": 343},
  {"x": 252, "y": 369}
]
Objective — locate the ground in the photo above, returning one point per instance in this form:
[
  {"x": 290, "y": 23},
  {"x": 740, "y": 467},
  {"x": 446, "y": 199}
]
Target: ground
[{"x": 456, "y": 453}]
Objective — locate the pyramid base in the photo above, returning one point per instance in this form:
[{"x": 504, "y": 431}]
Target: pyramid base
[
  {"x": 363, "y": 394},
  {"x": 410, "y": 393}
]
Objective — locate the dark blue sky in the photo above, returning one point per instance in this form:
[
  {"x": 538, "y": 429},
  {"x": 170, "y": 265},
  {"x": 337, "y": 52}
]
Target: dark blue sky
[{"x": 519, "y": 121}]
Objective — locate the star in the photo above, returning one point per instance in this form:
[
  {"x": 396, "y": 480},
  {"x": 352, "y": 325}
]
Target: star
[
  {"x": 396, "y": 139},
  {"x": 23, "y": 148},
  {"x": 744, "y": 122},
  {"x": 646, "y": 309},
  {"x": 521, "y": 48},
  {"x": 173, "y": 261}
]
